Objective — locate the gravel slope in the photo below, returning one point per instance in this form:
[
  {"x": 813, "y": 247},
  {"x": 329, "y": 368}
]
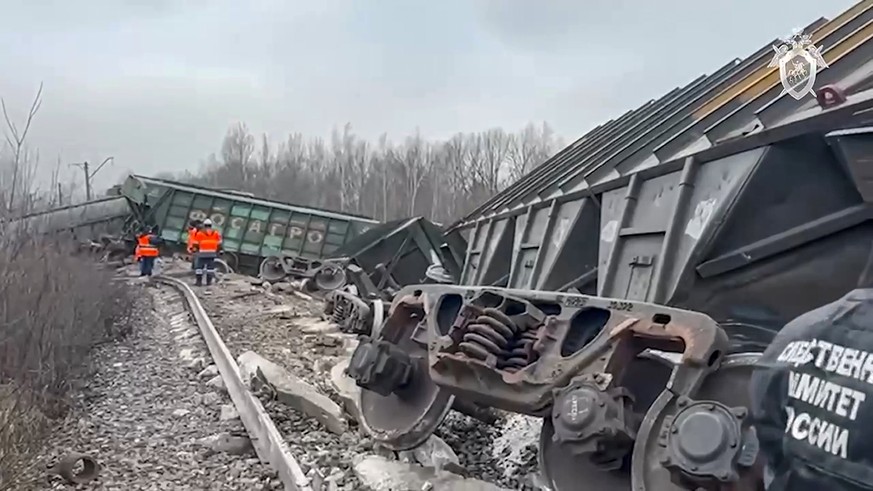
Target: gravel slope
[{"x": 149, "y": 419}]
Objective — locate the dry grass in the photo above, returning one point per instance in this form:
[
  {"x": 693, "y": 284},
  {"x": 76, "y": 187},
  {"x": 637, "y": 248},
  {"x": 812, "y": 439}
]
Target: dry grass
[{"x": 55, "y": 306}]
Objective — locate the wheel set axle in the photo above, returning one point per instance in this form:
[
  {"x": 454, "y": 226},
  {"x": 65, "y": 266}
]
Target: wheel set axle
[{"x": 617, "y": 412}]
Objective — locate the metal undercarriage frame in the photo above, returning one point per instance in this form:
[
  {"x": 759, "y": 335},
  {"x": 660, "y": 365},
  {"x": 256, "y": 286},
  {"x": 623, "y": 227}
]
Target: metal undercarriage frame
[{"x": 632, "y": 394}]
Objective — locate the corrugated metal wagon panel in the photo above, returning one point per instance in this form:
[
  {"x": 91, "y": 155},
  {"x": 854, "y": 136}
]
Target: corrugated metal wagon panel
[
  {"x": 728, "y": 201},
  {"x": 778, "y": 225},
  {"x": 252, "y": 228},
  {"x": 741, "y": 97},
  {"x": 85, "y": 220}
]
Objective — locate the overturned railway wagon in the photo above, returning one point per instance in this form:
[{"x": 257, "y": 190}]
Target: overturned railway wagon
[
  {"x": 697, "y": 224},
  {"x": 380, "y": 262},
  {"x": 252, "y": 228},
  {"x": 109, "y": 216},
  {"x": 405, "y": 248}
]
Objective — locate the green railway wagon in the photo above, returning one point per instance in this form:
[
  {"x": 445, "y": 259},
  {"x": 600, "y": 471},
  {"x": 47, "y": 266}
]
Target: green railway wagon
[{"x": 252, "y": 228}]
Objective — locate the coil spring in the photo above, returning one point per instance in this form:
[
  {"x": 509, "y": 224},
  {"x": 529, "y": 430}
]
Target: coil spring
[
  {"x": 495, "y": 339},
  {"x": 521, "y": 352},
  {"x": 340, "y": 311}
]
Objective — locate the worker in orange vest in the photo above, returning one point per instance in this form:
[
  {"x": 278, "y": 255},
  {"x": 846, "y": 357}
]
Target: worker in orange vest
[
  {"x": 192, "y": 234},
  {"x": 207, "y": 243},
  {"x": 146, "y": 251}
]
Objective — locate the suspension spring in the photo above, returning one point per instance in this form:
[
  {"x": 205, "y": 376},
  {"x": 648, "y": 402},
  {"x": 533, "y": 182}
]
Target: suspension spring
[
  {"x": 498, "y": 341},
  {"x": 488, "y": 337},
  {"x": 340, "y": 311},
  {"x": 521, "y": 351}
]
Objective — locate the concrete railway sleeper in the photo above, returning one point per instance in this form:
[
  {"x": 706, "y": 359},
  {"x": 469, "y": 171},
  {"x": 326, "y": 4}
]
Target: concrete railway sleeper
[{"x": 265, "y": 437}]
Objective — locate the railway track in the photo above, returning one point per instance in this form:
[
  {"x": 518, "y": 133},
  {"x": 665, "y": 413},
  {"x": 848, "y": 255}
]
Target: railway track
[
  {"x": 306, "y": 452},
  {"x": 263, "y": 433}
]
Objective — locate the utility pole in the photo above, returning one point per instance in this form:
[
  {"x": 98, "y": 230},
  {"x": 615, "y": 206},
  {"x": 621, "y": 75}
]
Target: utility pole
[
  {"x": 84, "y": 167},
  {"x": 90, "y": 175}
]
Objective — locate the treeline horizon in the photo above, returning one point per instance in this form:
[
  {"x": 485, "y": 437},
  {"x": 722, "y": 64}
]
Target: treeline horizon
[{"x": 442, "y": 180}]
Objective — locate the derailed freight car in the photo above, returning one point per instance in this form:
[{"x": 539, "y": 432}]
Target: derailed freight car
[
  {"x": 381, "y": 262},
  {"x": 254, "y": 230},
  {"x": 111, "y": 215},
  {"x": 702, "y": 222},
  {"x": 402, "y": 250}
]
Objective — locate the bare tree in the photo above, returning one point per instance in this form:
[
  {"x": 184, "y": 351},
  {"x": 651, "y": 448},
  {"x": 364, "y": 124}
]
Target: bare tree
[
  {"x": 15, "y": 138},
  {"x": 529, "y": 149},
  {"x": 237, "y": 151},
  {"x": 439, "y": 180},
  {"x": 495, "y": 147},
  {"x": 413, "y": 161}
]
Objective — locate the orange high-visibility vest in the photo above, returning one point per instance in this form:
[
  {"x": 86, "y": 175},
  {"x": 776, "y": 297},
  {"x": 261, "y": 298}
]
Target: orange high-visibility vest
[
  {"x": 137, "y": 253},
  {"x": 208, "y": 240},
  {"x": 144, "y": 247},
  {"x": 192, "y": 238}
]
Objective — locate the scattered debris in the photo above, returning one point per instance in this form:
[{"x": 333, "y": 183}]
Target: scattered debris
[
  {"x": 294, "y": 392},
  {"x": 436, "y": 453},
  {"x": 198, "y": 364},
  {"x": 76, "y": 468},
  {"x": 228, "y": 412},
  {"x": 210, "y": 399},
  {"x": 243, "y": 295},
  {"x": 228, "y": 443},
  {"x": 315, "y": 352},
  {"x": 381, "y": 474},
  {"x": 302, "y": 296},
  {"x": 516, "y": 434},
  {"x": 124, "y": 414},
  {"x": 217, "y": 382},
  {"x": 208, "y": 372},
  {"x": 346, "y": 388},
  {"x": 282, "y": 311},
  {"x": 315, "y": 326}
]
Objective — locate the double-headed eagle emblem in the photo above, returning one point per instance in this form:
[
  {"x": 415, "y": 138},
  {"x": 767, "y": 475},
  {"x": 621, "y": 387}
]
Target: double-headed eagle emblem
[{"x": 798, "y": 60}]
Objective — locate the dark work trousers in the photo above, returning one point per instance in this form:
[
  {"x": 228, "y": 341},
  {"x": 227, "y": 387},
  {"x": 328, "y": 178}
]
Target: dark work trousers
[
  {"x": 146, "y": 265},
  {"x": 194, "y": 262},
  {"x": 205, "y": 265}
]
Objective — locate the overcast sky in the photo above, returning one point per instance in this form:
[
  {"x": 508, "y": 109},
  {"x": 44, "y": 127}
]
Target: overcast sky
[{"x": 156, "y": 83}]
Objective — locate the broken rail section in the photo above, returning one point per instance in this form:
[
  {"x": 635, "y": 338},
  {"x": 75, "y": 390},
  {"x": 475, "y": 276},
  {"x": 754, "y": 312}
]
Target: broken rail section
[{"x": 266, "y": 439}]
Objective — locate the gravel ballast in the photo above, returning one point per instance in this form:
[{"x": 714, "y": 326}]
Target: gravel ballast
[
  {"x": 148, "y": 418},
  {"x": 286, "y": 329},
  {"x": 272, "y": 325}
]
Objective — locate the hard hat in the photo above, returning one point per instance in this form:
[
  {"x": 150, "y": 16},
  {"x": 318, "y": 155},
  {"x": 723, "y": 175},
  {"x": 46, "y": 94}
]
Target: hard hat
[{"x": 207, "y": 223}]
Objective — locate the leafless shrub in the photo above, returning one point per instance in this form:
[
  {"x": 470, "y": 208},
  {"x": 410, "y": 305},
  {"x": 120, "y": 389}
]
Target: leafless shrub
[{"x": 55, "y": 305}]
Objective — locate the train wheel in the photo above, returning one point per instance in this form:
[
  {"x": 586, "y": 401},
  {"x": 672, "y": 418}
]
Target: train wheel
[
  {"x": 566, "y": 468},
  {"x": 695, "y": 441},
  {"x": 405, "y": 418},
  {"x": 232, "y": 260},
  {"x": 272, "y": 269},
  {"x": 566, "y": 471},
  {"x": 329, "y": 277}
]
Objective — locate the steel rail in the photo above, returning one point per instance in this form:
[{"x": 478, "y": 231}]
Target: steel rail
[{"x": 266, "y": 439}]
